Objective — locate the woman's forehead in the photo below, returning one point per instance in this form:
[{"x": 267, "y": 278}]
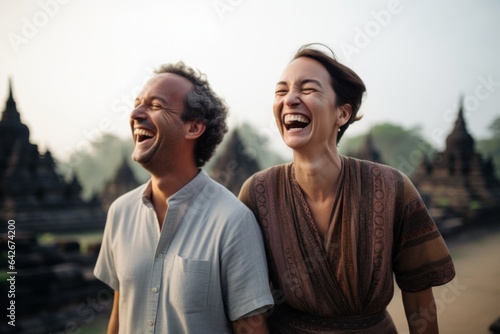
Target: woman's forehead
[{"x": 304, "y": 68}]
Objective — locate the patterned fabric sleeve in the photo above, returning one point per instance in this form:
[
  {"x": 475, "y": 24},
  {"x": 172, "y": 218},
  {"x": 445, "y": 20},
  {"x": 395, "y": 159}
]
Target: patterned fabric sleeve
[
  {"x": 421, "y": 257},
  {"x": 244, "y": 195}
]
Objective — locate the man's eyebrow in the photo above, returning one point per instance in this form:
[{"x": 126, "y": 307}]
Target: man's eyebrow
[
  {"x": 151, "y": 98},
  {"x": 154, "y": 97}
]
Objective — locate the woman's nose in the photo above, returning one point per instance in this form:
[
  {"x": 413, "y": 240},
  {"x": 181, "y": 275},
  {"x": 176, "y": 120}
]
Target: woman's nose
[{"x": 291, "y": 98}]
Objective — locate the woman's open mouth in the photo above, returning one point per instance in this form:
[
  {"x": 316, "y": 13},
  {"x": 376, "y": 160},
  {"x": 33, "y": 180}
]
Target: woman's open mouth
[{"x": 295, "y": 121}]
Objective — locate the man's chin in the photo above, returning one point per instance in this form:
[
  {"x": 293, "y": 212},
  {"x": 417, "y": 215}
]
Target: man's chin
[{"x": 141, "y": 157}]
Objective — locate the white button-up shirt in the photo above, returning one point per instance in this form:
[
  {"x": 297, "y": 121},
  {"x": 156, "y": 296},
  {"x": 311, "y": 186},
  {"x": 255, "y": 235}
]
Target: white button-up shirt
[{"x": 205, "y": 268}]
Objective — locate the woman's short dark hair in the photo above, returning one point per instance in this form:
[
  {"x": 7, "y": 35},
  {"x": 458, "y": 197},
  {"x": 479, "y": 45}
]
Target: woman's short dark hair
[
  {"x": 346, "y": 84},
  {"x": 201, "y": 104}
]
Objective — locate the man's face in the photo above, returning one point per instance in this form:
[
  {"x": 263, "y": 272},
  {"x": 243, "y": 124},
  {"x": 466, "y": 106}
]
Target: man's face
[{"x": 156, "y": 124}]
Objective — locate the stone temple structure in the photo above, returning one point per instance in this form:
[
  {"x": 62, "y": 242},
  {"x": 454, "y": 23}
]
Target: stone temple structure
[
  {"x": 235, "y": 165},
  {"x": 367, "y": 151},
  {"x": 54, "y": 286},
  {"x": 459, "y": 180},
  {"x": 123, "y": 181},
  {"x": 31, "y": 191}
]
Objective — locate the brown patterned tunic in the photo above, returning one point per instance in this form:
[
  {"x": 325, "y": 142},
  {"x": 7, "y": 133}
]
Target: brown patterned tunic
[{"x": 343, "y": 283}]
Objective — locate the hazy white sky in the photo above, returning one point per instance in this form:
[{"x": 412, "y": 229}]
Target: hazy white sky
[{"x": 77, "y": 65}]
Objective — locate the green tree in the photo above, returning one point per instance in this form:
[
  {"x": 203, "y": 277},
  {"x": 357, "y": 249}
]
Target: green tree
[
  {"x": 400, "y": 148},
  {"x": 495, "y": 128},
  {"x": 99, "y": 164}
]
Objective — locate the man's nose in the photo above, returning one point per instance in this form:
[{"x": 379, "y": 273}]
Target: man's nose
[{"x": 139, "y": 112}]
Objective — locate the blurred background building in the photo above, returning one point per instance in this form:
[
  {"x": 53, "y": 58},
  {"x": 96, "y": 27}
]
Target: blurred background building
[
  {"x": 54, "y": 288},
  {"x": 458, "y": 184}
]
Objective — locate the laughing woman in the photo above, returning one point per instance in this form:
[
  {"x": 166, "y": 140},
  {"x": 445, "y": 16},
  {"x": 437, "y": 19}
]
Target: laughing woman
[{"x": 336, "y": 228}]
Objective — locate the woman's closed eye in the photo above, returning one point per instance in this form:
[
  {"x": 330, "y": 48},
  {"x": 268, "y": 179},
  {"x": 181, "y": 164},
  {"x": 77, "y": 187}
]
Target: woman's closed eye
[{"x": 309, "y": 90}]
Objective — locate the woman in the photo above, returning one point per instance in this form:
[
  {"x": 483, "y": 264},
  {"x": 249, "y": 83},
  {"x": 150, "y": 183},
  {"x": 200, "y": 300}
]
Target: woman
[{"x": 337, "y": 228}]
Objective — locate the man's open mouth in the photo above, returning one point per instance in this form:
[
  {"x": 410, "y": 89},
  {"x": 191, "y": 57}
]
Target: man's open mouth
[
  {"x": 143, "y": 134},
  {"x": 296, "y": 121}
]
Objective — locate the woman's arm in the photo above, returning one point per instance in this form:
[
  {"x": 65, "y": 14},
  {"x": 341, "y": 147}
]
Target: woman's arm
[
  {"x": 113, "y": 319},
  {"x": 420, "y": 310},
  {"x": 256, "y": 324}
]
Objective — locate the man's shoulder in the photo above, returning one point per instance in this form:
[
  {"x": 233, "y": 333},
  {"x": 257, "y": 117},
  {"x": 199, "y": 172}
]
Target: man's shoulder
[
  {"x": 222, "y": 205},
  {"x": 222, "y": 196}
]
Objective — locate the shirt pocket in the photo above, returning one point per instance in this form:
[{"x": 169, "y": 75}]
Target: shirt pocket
[{"x": 190, "y": 284}]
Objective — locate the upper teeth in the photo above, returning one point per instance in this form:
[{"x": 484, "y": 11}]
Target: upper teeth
[
  {"x": 143, "y": 132},
  {"x": 295, "y": 118}
]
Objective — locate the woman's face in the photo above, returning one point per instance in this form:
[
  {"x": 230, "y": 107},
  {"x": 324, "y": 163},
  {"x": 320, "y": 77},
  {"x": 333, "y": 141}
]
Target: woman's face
[{"x": 304, "y": 105}]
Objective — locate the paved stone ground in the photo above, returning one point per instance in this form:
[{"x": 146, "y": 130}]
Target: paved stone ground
[
  {"x": 471, "y": 302},
  {"x": 467, "y": 305}
]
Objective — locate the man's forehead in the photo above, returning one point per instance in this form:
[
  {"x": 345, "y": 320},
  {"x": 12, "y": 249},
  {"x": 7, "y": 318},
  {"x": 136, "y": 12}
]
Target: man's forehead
[{"x": 168, "y": 83}]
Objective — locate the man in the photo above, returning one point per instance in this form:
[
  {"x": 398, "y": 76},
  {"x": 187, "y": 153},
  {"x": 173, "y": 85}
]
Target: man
[{"x": 181, "y": 252}]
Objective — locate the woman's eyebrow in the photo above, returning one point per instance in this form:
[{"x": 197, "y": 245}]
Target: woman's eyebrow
[
  {"x": 306, "y": 81},
  {"x": 303, "y": 82}
]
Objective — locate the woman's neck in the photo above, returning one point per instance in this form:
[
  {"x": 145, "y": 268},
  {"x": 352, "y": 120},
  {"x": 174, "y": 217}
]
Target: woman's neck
[{"x": 318, "y": 178}]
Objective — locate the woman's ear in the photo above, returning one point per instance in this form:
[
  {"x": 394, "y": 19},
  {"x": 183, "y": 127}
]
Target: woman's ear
[
  {"x": 344, "y": 114},
  {"x": 195, "y": 129}
]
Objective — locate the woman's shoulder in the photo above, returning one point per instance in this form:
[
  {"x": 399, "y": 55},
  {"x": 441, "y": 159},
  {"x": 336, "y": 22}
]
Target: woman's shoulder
[
  {"x": 264, "y": 178},
  {"x": 271, "y": 172},
  {"x": 376, "y": 169}
]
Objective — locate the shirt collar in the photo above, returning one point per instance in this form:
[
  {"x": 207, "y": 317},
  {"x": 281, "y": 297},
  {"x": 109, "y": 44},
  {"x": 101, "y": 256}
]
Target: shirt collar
[{"x": 192, "y": 188}]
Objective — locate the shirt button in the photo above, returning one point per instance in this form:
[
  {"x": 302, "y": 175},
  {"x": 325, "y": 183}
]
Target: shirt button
[
  {"x": 155, "y": 290},
  {"x": 160, "y": 255},
  {"x": 150, "y": 323}
]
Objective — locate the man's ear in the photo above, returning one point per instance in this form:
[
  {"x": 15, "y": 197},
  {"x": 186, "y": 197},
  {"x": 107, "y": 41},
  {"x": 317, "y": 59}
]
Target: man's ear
[
  {"x": 195, "y": 129},
  {"x": 345, "y": 114}
]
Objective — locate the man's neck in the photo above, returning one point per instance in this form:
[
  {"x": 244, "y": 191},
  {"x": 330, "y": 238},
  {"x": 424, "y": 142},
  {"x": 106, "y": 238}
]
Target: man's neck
[{"x": 166, "y": 185}]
